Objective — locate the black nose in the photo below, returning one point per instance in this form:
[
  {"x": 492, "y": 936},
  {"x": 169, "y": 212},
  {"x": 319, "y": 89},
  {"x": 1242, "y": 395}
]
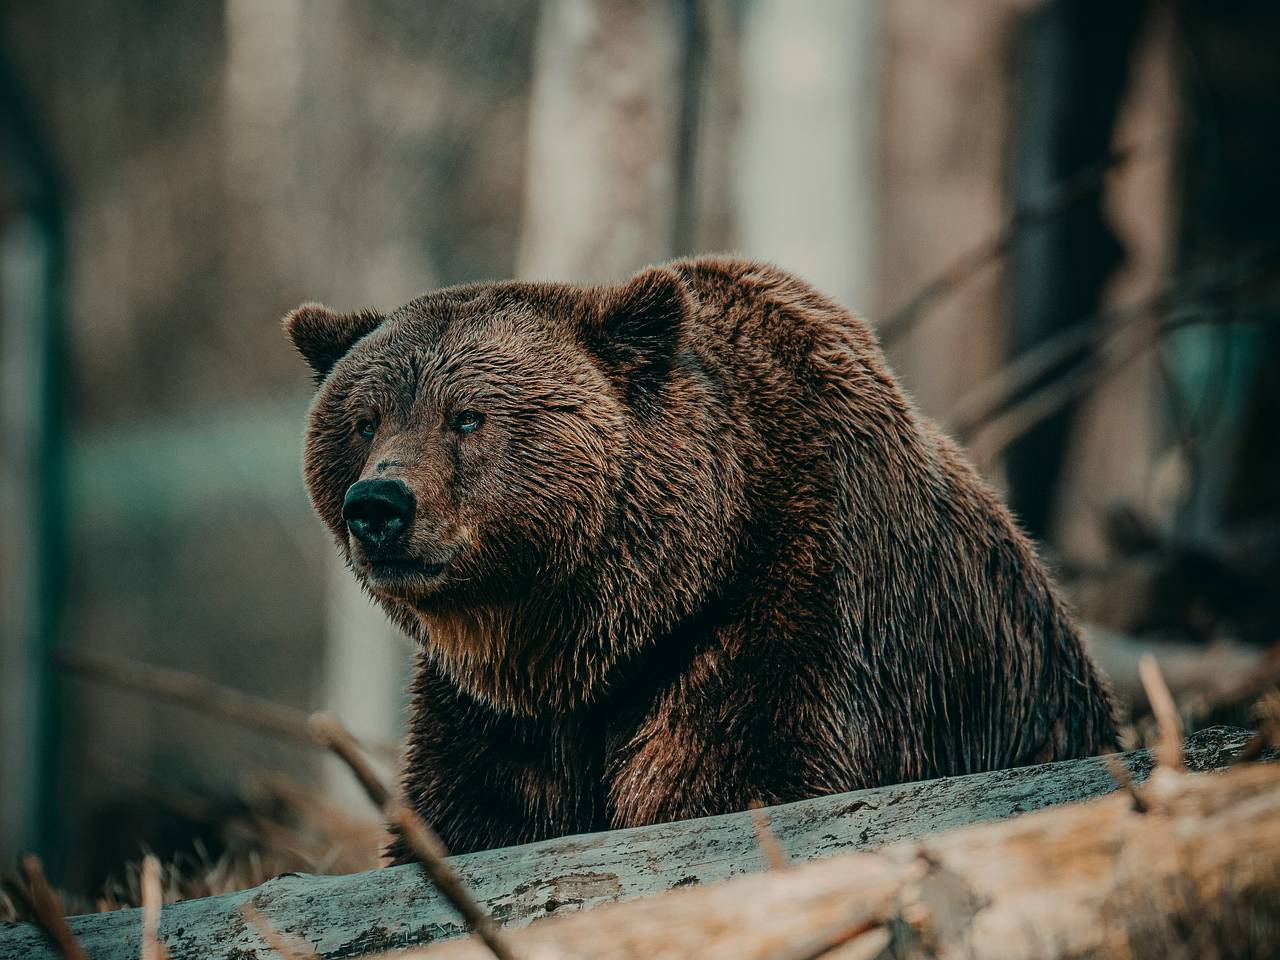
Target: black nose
[{"x": 378, "y": 512}]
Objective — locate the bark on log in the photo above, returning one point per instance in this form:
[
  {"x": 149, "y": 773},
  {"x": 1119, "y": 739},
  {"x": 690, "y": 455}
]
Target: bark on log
[
  {"x": 1197, "y": 875},
  {"x": 363, "y": 914}
]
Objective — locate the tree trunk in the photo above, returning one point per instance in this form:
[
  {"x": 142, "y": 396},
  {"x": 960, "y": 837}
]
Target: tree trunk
[{"x": 601, "y": 180}]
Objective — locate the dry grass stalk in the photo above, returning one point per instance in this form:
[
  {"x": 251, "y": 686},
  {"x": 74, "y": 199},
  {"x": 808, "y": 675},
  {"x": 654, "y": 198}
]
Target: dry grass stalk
[
  {"x": 152, "y": 901},
  {"x": 774, "y": 856},
  {"x": 295, "y": 823},
  {"x": 192, "y": 875},
  {"x": 289, "y": 948},
  {"x": 1169, "y": 749},
  {"x": 421, "y": 840},
  {"x": 45, "y": 908}
]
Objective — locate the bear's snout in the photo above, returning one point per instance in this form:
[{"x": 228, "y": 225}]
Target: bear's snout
[{"x": 378, "y": 513}]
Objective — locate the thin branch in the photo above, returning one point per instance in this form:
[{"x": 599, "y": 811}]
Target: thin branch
[
  {"x": 984, "y": 409},
  {"x": 997, "y": 432},
  {"x": 996, "y": 436},
  {"x": 992, "y": 436},
  {"x": 1169, "y": 750},
  {"x": 419, "y": 838},
  {"x": 197, "y": 693},
  {"x": 431, "y": 853},
  {"x": 1120, "y": 774},
  {"x": 327, "y": 731},
  {"x": 290, "y": 948},
  {"x": 980, "y": 405},
  {"x": 45, "y": 908},
  {"x": 1060, "y": 199}
]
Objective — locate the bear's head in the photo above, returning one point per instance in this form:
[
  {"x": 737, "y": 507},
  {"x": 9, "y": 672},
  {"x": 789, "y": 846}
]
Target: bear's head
[{"x": 473, "y": 453}]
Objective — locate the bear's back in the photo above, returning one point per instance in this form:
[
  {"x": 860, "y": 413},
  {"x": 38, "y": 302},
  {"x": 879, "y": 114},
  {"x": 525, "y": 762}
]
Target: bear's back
[{"x": 952, "y": 616}]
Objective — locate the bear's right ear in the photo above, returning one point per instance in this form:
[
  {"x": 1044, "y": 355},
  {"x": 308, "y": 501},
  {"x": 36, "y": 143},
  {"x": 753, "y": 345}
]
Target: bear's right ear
[
  {"x": 324, "y": 336},
  {"x": 638, "y": 326}
]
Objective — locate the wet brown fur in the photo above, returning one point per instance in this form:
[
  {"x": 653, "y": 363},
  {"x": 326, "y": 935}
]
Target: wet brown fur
[{"x": 706, "y": 552}]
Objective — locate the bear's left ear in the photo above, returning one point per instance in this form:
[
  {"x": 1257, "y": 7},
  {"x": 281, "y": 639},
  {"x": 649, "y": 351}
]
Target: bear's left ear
[
  {"x": 324, "y": 336},
  {"x": 637, "y": 330}
]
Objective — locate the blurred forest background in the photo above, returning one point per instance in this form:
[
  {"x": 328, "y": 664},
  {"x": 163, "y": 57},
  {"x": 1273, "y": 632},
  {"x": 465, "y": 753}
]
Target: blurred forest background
[{"x": 1059, "y": 214}]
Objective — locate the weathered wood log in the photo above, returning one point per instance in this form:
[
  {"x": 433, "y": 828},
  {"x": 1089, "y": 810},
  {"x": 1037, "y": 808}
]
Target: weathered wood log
[
  {"x": 1196, "y": 875},
  {"x": 351, "y": 916}
]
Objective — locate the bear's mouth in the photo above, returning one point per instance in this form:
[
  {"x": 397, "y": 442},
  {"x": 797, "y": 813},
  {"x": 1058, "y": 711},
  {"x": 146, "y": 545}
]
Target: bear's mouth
[
  {"x": 405, "y": 577},
  {"x": 393, "y": 569}
]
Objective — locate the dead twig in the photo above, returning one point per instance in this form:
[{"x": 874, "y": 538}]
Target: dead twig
[
  {"x": 152, "y": 901},
  {"x": 290, "y": 948},
  {"x": 45, "y": 907},
  {"x": 985, "y": 401},
  {"x": 1169, "y": 749},
  {"x": 418, "y": 837},
  {"x": 994, "y": 435},
  {"x": 327, "y": 731},
  {"x": 197, "y": 693},
  {"x": 1120, "y": 774},
  {"x": 770, "y": 849},
  {"x": 430, "y": 853},
  {"x": 988, "y": 419}
]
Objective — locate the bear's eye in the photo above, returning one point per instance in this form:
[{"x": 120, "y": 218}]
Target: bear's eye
[
  {"x": 367, "y": 427},
  {"x": 468, "y": 421}
]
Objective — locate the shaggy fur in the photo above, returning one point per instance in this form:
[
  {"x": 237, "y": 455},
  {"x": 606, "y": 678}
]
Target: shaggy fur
[{"x": 701, "y": 551}]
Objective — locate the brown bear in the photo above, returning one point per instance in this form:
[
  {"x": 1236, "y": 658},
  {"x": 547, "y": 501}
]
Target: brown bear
[{"x": 675, "y": 546}]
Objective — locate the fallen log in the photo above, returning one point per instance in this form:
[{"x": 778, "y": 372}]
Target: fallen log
[
  {"x": 364, "y": 913},
  {"x": 1195, "y": 875}
]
